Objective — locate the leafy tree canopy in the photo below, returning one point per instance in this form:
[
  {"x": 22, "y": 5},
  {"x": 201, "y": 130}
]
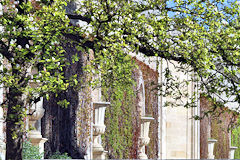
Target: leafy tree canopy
[
  {"x": 32, "y": 34},
  {"x": 201, "y": 35}
]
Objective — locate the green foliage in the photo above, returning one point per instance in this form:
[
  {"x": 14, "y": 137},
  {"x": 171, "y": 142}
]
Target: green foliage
[
  {"x": 30, "y": 152},
  {"x": 63, "y": 103},
  {"x": 33, "y": 49},
  {"x": 117, "y": 85},
  {"x": 219, "y": 131},
  {"x": 235, "y": 140},
  {"x": 32, "y": 35},
  {"x": 202, "y": 36},
  {"x": 119, "y": 132},
  {"x": 58, "y": 155}
]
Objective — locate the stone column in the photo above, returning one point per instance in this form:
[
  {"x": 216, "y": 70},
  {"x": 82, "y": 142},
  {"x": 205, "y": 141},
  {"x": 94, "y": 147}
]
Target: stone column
[
  {"x": 144, "y": 138},
  {"x": 36, "y": 113},
  {"x": 2, "y": 143},
  {"x": 99, "y": 129},
  {"x": 231, "y": 152},
  {"x": 211, "y": 143},
  {"x": 2, "y": 137}
]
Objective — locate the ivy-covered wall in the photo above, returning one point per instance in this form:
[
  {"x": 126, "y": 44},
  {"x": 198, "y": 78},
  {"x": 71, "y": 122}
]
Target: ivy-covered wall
[
  {"x": 235, "y": 139},
  {"x": 120, "y": 116},
  {"x": 123, "y": 118},
  {"x": 220, "y": 133},
  {"x": 151, "y": 106},
  {"x": 119, "y": 121},
  {"x": 204, "y": 105},
  {"x": 220, "y": 128}
]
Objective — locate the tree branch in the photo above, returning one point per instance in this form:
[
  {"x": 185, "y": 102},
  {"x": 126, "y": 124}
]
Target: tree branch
[{"x": 79, "y": 17}]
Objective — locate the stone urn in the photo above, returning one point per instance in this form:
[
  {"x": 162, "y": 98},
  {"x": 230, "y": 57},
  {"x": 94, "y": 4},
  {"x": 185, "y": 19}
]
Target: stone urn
[
  {"x": 36, "y": 113},
  {"x": 99, "y": 129},
  {"x": 232, "y": 151},
  {"x": 144, "y": 136},
  {"x": 211, "y": 143}
]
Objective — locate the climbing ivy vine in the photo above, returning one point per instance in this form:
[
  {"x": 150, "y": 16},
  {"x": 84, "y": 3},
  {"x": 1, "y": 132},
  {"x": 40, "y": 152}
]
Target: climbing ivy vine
[
  {"x": 235, "y": 140},
  {"x": 118, "y": 88},
  {"x": 219, "y": 132},
  {"x": 119, "y": 127}
]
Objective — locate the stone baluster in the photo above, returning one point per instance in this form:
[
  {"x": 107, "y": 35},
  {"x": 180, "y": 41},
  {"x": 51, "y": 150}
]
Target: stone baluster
[
  {"x": 144, "y": 138},
  {"x": 211, "y": 143},
  {"x": 34, "y": 135},
  {"x": 99, "y": 129},
  {"x": 231, "y": 152}
]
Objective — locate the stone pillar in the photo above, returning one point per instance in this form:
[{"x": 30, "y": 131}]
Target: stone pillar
[
  {"x": 2, "y": 137},
  {"x": 36, "y": 113},
  {"x": 144, "y": 138},
  {"x": 2, "y": 143},
  {"x": 99, "y": 129},
  {"x": 211, "y": 143},
  {"x": 232, "y": 151}
]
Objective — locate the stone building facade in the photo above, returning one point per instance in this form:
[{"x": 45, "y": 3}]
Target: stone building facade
[
  {"x": 169, "y": 133},
  {"x": 161, "y": 132}
]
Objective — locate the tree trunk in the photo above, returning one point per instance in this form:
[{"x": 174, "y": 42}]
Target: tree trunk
[
  {"x": 14, "y": 126},
  {"x": 60, "y": 125}
]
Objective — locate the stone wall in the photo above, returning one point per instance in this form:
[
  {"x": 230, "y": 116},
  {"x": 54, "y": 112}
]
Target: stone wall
[
  {"x": 180, "y": 130},
  {"x": 204, "y": 129},
  {"x": 150, "y": 77},
  {"x": 146, "y": 99},
  {"x": 216, "y": 126}
]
